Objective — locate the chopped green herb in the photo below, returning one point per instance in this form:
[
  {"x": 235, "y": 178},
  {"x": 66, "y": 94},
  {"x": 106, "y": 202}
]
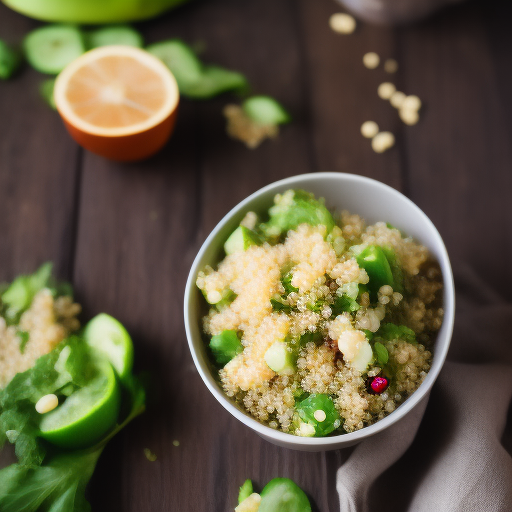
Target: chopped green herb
[
  {"x": 149, "y": 455},
  {"x": 381, "y": 353},
  {"x": 46, "y": 90},
  {"x": 286, "y": 281},
  {"x": 279, "y": 306},
  {"x": 391, "y": 332},
  {"x": 24, "y": 337},
  {"x": 344, "y": 304},
  {"x": 9, "y": 61}
]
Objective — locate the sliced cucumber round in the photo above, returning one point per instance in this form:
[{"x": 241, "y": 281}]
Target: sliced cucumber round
[
  {"x": 51, "y": 48},
  {"x": 87, "y": 414},
  {"x": 123, "y": 35},
  {"x": 108, "y": 337}
]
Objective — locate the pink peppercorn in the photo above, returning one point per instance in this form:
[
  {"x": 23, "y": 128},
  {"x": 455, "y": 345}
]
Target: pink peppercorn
[{"x": 379, "y": 384}]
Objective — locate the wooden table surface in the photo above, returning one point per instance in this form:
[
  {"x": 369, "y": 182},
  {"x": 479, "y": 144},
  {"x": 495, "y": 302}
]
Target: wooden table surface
[{"x": 126, "y": 235}]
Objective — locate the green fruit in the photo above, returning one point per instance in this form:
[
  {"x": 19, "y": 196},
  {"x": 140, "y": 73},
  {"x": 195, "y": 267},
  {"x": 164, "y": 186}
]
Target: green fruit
[
  {"x": 280, "y": 359},
  {"x": 92, "y": 11},
  {"x": 283, "y": 495},
  {"x": 114, "y": 35},
  {"x": 266, "y": 110},
  {"x": 50, "y": 49},
  {"x": 87, "y": 414},
  {"x": 108, "y": 337}
]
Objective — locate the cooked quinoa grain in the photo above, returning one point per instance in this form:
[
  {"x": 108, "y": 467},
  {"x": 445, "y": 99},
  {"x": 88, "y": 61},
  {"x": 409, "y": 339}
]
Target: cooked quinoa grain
[
  {"x": 312, "y": 322},
  {"x": 45, "y": 324}
]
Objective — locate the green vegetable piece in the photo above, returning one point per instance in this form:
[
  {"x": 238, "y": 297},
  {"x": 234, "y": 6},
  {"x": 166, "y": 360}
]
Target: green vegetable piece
[
  {"x": 396, "y": 269},
  {"x": 381, "y": 353},
  {"x": 280, "y": 358},
  {"x": 293, "y": 208},
  {"x": 46, "y": 90},
  {"x": 240, "y": 240},
  {"x": 311, "y": 337},
  {"x": 344, "y": 304},
  {"x": 374, "y": 261},
  {"x": 286, "y": 281},
  {"x": 194, "y": 79},
  {"x": 18, "y": 296},
  {"x": 245, "y": 491},
  {"x": 325, "y": 421},
  {"x": 23, "y": 336},
  {"x": 227, "y": 299},
  {"x": 110, "y": 340},
  {"x": 279, "y": 306},
  {"x": 283, "y": 495},
  {"x": 317, "y": 306},
  {"x": 225, "y": 346},
  {"x": 87, "y": 414},
  {"x": 10, "y": 61},
  {"x": 389, "y": 332},
  {"x": 123, "y": 35},
  {"x": 265, "y": 110},
  {"x": 51, "y": 48}
]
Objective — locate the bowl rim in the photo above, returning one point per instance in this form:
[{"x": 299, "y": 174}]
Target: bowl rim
[{"x": 399, "y": 412}]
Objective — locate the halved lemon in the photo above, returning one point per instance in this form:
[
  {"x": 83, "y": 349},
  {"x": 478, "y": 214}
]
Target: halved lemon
[{"x": 117, "y": 101}]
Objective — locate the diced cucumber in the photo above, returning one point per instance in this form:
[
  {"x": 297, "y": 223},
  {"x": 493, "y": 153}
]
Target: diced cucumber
[
  {"x": 51, "y": 48},
  {"x": 46, "y": 89},
  {"x": 280, "y": 359},
  {"x": 374, "y": 261},
  {"x": 363, "y": 358},
  {"x": 114, "y": 34},
  {"x": 240, "y": 240},
  {"x": 265, "y": 110},
  {"x": 225, "y": 346}
]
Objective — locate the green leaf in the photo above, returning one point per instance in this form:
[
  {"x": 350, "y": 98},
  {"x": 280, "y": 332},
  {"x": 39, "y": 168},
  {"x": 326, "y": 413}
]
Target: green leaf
[
  {"x": 23, "y": 336},
  {"x": 265, "y": 110},
  {"x": 195, "y": 80},
  {"x": 390, "y": 332},
  {"x": 286, "y": 281},
  {"x": 10, "y": 61},
  {"x": 381, "y": 353},
  {"x": 245, "y": 491}
]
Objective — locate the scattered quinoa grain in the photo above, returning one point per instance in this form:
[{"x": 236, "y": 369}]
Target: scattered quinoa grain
[
  {"x": 383, "y": 141},
  {"x": 176, "y": 443},
  {"x": 386, "y": 90},
  {"x": 369, "y": 129},
  {"x": 371, "y": 60},
  {"x": 411, "y": 102},
  {"x": 408, "y": 116},
  {"x": 342, "y": 23},
  {"x": 397, "y": 99},
  {"x": 149, "y": 455},
  {"x": 390, "y": 66}
]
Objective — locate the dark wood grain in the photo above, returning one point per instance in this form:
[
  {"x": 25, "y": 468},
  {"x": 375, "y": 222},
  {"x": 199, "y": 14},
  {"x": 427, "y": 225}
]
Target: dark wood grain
[{"x": 126, "y": 235}]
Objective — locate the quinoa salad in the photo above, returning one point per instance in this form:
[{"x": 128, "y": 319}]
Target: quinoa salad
[{"x": 318, "y": 323}]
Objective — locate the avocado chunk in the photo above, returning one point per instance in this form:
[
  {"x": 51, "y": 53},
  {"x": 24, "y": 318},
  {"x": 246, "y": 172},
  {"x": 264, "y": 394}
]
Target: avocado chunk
[
  {"x": 293, "y": 208},
  {"x": 225, "y": 346},
  {"x": 280, "y": 359},
  {"x": 318, "y": 410},
  {"x": 373, "y": 260},
  {"x": 240, "y": 240}
]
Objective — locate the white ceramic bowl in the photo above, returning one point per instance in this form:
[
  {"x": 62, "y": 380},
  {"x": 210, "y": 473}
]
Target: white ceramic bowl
[{"x": 374, "y": 201}]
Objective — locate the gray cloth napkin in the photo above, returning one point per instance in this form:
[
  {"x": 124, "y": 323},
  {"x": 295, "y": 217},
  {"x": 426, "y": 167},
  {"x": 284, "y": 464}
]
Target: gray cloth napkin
[{"x": 447, "y": 456}]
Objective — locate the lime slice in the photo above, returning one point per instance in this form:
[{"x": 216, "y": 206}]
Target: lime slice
[
  {"x": 51, "y": 48},
  {"x": 115, "y": 34},
  {"x": 111, "y": 340},
  {"x": 86, "y": 415}
]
